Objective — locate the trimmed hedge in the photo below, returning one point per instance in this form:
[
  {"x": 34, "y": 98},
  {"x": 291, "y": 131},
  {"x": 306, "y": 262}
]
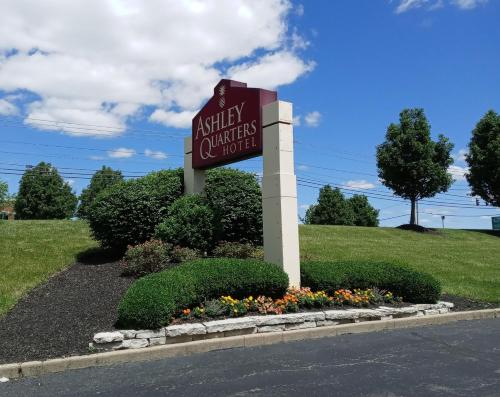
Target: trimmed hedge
[
  {"x": 411, "y": 285},
  {"x": 152, "y": 301}
]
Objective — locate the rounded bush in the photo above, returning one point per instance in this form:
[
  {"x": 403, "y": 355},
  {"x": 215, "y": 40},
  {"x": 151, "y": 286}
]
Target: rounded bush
[
  {"x": 411, "y": 285},
  {"x": 152, "y": 301},
  {"x": 236, "y": 200},
  {"x": 189, "y": 223},
  {"x": 150, "y": 257},
  {"x": 127, "y": 213}
]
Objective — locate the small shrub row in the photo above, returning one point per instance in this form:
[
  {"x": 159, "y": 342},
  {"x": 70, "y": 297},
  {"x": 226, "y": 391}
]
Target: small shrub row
[
  {"x": 154, "y": 256},
  {"x": 227, "y": 249},
  {"x": 292, "y": 302},
  {"x": 411, "y": 285},
  {"x": 153, "y": 301}
]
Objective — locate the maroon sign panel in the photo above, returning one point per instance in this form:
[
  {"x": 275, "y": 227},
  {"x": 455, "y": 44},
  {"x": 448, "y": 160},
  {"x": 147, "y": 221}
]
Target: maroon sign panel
[{"x": 229, "y": 127}]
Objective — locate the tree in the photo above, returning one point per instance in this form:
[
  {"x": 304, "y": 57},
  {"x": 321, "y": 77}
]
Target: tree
[
  {"x": 4, "y": 192},
  {"x": 484, "y": 159},
  {"x": 411, "y": 163},
  {"x": 101, "y": 180},
  {"x": 43, "y": 194},
  {"x": 332, "y": 209},
  {"x": 364, "y": 213}
]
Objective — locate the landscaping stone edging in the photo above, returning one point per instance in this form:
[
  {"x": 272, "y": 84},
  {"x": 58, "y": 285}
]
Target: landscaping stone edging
[
  {"x": 37, "y": 368},
  {"x": 181, "y": 333}
]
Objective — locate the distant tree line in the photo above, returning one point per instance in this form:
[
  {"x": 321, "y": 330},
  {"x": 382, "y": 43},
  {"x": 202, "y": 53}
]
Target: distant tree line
[{"x": 334, "y": 209}]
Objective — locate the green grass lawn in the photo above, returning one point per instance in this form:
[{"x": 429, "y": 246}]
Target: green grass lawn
[
  {"x": 31, "y": 251},
  {"x": 466, "y": 262}
]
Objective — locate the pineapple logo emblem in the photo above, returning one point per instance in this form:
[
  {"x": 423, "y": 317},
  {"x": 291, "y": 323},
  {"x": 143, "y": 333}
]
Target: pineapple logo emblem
[{"x": 222, "y": 100}]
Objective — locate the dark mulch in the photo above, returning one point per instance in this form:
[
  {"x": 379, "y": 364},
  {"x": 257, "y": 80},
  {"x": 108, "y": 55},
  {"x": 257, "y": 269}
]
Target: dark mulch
[
  {"x": 465, "y": 304},
  {"x": 417, "y": 228},
  {"x": 60, "y": 317}
]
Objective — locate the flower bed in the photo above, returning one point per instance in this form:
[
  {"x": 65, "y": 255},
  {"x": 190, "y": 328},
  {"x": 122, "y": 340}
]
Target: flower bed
[{"x": 292, "y": 302}]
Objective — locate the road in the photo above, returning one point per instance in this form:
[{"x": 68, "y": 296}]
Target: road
[{"x": 459, "y": 359}]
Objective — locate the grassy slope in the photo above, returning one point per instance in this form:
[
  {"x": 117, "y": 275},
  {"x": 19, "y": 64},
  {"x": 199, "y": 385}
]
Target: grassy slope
[
  {"x": 466, "y": 262},
  {"x": 30, "y": 251}
]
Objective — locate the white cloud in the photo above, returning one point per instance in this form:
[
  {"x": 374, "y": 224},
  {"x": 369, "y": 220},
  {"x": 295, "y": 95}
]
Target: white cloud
[
  {"x": 468, "y": 4},
  {"x": 103, "y": 61},
  {"x": 296, "y": 121},
  {"x": 121, "y": 153},
  {"x": 305, "y": 206},
  {"x": 360, "y": 184},
  {"x": 312, "y": 119},
  {"x": 407, "y": 5},
  {"x": 97, "y": 158},
  {"x": 271, "y": 70},
  {"x": 155, "y": 154},
  {"x": 173, "y": 119},
  {"x": 460, "y": 156},
  {"x": 70, "y": 182},
  {"x": 457, "y": 172},
  {"x": 302, "y": 167},
  {"x": 7, "y": 108}
]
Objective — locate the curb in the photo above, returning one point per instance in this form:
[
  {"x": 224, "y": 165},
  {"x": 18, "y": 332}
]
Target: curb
[{"x": 37, "y": 368}]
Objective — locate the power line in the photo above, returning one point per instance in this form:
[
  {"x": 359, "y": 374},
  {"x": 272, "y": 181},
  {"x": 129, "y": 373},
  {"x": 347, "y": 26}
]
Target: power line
[
  {"x": 87, "y": 148},
  {"x": 376, "y": 193},
  {"x": 82, "y": 128},
  {"x": 393, "y": 217},
  {"x": 312, "y": 184}
]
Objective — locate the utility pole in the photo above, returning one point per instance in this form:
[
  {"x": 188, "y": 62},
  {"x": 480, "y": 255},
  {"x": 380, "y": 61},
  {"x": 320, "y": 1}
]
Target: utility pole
[
  {"x": 417, "y": 211},
  {"x": 442, "y": 219}
]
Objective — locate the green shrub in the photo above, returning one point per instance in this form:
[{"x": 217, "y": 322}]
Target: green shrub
[
  {"x": 236, "y": 200},
  {"x": 227, "y": 249},
  {"x": 149, "y": 257},
  {"x": 184, "y": 254},
  {"x": 127, "y": 213},
  {"x": 153, "y": 301},
  {"x": 413, "y": 286},
  {"x": 189, "y": 223}
]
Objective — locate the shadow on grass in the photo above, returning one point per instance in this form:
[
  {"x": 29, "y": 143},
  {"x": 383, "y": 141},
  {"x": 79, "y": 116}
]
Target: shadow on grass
[
  {"x": 99, "y": 256},
  {"x": 495, "y": 233}
]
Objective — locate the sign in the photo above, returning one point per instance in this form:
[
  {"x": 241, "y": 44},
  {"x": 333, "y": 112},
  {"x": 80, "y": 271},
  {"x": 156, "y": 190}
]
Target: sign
[
  {"x": 229, "y": 127},
  {"x": 495, "y": 222}
]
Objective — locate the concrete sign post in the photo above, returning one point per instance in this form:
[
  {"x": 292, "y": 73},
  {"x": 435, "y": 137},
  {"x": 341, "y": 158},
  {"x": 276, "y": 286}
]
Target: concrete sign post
[
  {"x": 238, "y": 123},
  {"x": 279, "y": 191}
]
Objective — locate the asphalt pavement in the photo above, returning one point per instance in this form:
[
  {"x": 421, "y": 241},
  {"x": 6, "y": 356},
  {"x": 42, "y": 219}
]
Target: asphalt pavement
[{"x": 458, "y": 359}]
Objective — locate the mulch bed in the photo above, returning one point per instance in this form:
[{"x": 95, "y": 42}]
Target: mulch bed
[
  {"x": 60, "y": 317},
  {"x": 465, "y": 304}
]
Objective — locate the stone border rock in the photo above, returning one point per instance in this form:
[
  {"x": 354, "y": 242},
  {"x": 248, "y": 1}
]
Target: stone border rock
[
  {"x": 136, "y": 339},
  {"x": 37, "y": 368}
]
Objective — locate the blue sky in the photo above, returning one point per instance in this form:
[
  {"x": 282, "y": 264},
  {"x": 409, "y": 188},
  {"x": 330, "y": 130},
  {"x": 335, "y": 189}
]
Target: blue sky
[{"x": 139, "y": 72}]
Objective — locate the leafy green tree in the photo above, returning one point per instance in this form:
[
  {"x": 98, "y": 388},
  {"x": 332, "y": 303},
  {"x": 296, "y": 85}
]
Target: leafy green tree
[
  {"x": 332, "y": 209},
  {"x": 484, "y": 159},
  {"x": 364, "y": 213},
  {"x": 4, "y": 192},
  {"x": 101, "y": 180},
  {"x": 43, "y": 194},
  {"x": 411, "y": 163}
]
